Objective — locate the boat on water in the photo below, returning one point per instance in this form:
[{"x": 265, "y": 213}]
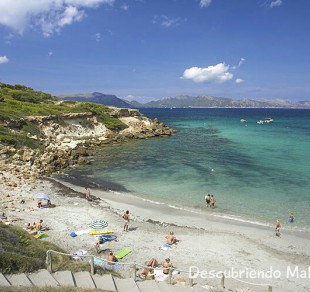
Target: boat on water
[
  {"x": 265, "y": 121},
  {"x": 268, "y": 120},
  {"x": 243, "y": 121}
]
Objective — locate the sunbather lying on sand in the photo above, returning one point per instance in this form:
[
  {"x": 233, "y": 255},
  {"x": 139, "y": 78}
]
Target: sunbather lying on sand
[{"x": 149, "y": 271}]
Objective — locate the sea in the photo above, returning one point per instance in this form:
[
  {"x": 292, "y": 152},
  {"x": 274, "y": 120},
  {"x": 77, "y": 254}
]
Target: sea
[{"x": 258, "y": 173}]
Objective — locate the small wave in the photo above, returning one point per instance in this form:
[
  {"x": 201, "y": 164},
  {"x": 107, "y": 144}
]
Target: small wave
[
  {"x": 175, "y": 207},
  {"x": 152, "y": 202},
  {"x": 230, "y": 217}
]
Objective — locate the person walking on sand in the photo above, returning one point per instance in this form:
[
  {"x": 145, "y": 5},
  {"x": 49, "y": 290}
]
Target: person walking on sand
[
  {"x": 208, "y": 200},
  {"x": 87, "y": 194},
  {"x": 213, "y": 201},
  {"x": 126, "y": 218}
]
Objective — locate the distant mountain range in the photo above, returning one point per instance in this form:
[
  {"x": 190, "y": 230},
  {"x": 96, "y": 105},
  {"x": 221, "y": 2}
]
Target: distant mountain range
[
  {"x": 186, "y": 101},
  {"x": 97, "y": 97}
]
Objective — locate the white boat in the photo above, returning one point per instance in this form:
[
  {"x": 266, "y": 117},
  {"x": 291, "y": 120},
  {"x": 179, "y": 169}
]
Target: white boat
[
  {"x": 268, "y": 120},
  {"x": 243, "y": 121},
  {"x": 260, "y": 122}
]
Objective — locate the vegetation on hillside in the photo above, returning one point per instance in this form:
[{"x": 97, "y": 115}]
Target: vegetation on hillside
[
  {"x": 18, "y": 101},
  {"x": 20, "y": 251}
]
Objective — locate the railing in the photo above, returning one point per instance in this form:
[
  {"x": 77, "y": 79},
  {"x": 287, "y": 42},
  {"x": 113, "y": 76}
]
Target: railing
[{"x": 133, "y": 269}]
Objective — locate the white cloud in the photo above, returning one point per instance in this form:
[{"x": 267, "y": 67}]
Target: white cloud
[
  {"x": 50, "y": 53},
  {"x": 166, "y": 21},
  {"x": 275, "y": 3},
  {"x": 218, "y": 73},
  {"x": 98, "y": 37},
  {"x": 242, "y": 60},
  {"x": 204, "y": 3},
  {"x": 4, "y": 59},
  {"x": 125, "y": 7},
  {"x": 239, "y": 80},
  {"x": 48, "y": 15}
]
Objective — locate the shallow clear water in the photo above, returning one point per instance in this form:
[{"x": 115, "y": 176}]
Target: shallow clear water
[{"x": 256, "y": 172}]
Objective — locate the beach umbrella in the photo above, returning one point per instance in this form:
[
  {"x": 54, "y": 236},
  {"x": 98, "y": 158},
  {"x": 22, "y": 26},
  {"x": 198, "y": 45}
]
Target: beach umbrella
[
  {"x": 43, "y": 196},
  {"x": 98, "y": 224}
]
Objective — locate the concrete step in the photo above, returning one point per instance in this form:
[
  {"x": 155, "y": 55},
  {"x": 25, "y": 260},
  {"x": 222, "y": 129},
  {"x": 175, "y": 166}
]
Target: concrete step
[
  {"x": 43, "y": 278},
  {"x": 104, "y": 282},
  {"x": 3, "y": 281},
  {"x": 126, "y": 285},
  {"x": 64, "y": 278},
  {"x": 84, "y": 280},
  {"x": 19, "y": 280},
  {"x": 148, "y": 285}
]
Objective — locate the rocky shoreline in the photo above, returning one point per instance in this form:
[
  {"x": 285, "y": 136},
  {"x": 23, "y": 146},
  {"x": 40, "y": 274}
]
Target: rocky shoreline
[{"x": 69, "y": 141}]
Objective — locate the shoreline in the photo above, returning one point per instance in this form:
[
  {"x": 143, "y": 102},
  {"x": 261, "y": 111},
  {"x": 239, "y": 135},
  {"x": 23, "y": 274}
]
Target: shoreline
[
  {"x": 206, "y": 242},
  {"x": 74, "y": 178}
]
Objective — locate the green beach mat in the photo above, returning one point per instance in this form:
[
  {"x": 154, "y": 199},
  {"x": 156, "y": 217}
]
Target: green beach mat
[{"x": 122, "y": 253}]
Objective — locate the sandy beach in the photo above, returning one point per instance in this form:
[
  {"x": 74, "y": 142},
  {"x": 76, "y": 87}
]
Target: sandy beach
[{"x": 207, "y": 243}]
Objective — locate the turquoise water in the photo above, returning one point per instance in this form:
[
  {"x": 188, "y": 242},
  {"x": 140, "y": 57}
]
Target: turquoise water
[{"x": 256, "y": 172}]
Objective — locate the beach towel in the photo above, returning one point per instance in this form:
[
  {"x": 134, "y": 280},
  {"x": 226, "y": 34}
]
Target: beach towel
[
  {"x": 80, "y": 232},
  {"x": 107, "y": 237},
  {"x": 165, "y": 246},
  {"x": 103, "y": 264},
  {"x": 79, "y": 253},
  {"x": 159, "y": 275},
  {"x": 98, "y": 232},
  {"x": 40, "y": 235},
  {"x": 122, "y": 253}
]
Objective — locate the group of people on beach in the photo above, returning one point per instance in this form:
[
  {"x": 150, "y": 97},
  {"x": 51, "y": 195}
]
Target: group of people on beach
[
  {"x": 210, "y": 200},
  {"x": 149, "y": 272},
  {"x": 36, "y": 227}
]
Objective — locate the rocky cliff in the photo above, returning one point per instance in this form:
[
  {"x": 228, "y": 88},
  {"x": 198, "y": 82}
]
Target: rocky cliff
[{"x": 68, "y": 139}]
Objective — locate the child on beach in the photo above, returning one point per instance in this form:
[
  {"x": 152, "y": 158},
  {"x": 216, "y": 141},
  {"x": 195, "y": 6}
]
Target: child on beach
[{"x": 292, "y": 217}]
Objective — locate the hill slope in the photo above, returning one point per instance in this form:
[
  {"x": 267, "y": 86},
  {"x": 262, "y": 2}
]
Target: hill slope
[
  {"x": 210, "y": 101},
  {"x": 97, "y": 97}
]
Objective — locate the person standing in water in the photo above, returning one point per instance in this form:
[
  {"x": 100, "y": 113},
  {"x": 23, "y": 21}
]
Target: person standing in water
[
  {"x": 277, "y": 228},
  {"x": 292, "y": 217},
  {"x": 208, "y": 200}
]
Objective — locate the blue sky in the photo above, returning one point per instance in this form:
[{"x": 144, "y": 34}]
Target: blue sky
[{"x": 151, "y": 49}]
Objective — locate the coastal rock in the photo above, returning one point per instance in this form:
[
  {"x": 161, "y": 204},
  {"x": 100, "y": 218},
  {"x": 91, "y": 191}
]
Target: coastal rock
[{"x": 68, "y": 140}]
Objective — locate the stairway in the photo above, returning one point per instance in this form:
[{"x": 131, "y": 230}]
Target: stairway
[{"x": 106, "y": 282}]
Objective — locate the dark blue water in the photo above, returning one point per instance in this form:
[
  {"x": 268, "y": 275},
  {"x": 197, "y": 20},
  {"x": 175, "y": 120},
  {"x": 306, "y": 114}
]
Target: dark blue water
[{"x": 256, "y": 172}]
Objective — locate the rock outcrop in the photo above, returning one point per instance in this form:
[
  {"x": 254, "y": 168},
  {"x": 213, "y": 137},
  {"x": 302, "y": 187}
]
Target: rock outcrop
[{"x": 68, "y": 140}]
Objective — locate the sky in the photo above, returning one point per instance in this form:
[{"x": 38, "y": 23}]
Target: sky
[{"x": 151, "y": 49}]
